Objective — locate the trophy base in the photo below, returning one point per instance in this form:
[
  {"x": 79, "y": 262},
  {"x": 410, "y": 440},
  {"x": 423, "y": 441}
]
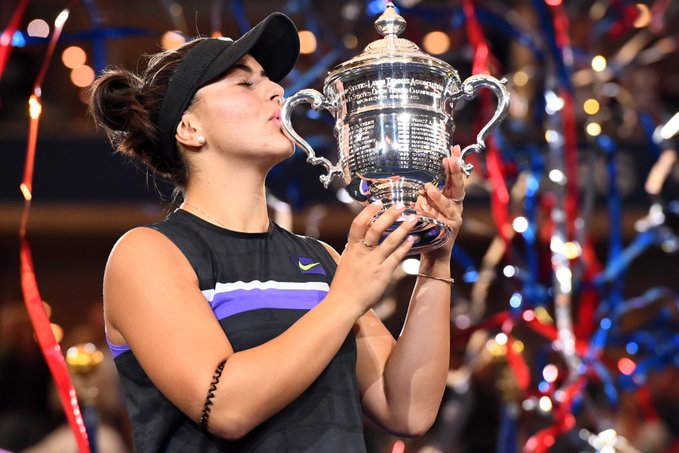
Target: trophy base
[{"x": 429, "y": 233}]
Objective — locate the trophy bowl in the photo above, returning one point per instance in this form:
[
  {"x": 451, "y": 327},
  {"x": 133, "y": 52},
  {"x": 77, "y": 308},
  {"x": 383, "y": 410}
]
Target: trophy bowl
[{"x": 393, "y": 108}]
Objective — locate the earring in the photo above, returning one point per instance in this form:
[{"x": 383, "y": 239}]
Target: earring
[{"x": 201, "y": 140}]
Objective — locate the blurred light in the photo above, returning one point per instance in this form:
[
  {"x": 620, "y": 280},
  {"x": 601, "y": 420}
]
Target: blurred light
[
  {"x": 593, "y": 129},
  {"x": 611, "y": 89},
  {"x": 520, "y": 224},
  {"x": 572, "y": 250},
  {"x": 605, "y": 323},
  {"x": 564, "y": 277},
  {"x": 515, "y": 300},
  {"x": 61, "y": 19},
  {"x": 644, "y": 18},
  {"x": 411, "y": 266},
  {"x": 351, "y": 10},
  {"x": 556, "y": 244},
  {"x": 550, "y": 373},
  {"x": 553, "y": 2},
  {"x": 517, "y": 346},
  {"x": 557, "y": 176},
  {"x": 529, "y": 404},
  {"x": 543, "y": 316},
  {"x": 307, "y": 42},
  {"x": 528, "y": 315},
  {"x": 399, "y": 447},
  {"x": 82, "y": 76},
  {"x": 34, "y": 107},
  {"x": 436, "y": 42},
  {"x": 495, "y": 349},
  {"x": 73, "y": 56},
  {"x": 18, "y": 39},
  {"x": 25, "y": 192},
  {"x": 554, "y": 102},
  {"x": 350, "y": 41},
  {"x": 626, "y": 366},
  {"x": 172, "y": 40},
  {"x": 176, "y": 9},
  {"x": 463, "y": 322},
  {"x": 552, "y": 136},
  {"x": 591, "y": 106},
  {"x": 632, "y": 348},
  {"x": 57, "y": 331},
  {"x": 501, "y": 338},
  {"x": 520, "y": 78},
  {"x": 670, "y": 128},
  {"x": 545, "y": 404},
  {"x": 599, "y": 63},
  {"x": 543, "y": 386},
  {"x": 38, "y": 28},
  {"x": 48, "y": 309},
  {"x": 509, "y": 271}
]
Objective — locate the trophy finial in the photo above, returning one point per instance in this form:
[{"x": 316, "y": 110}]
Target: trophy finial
[{"x": 390, "y": 22}]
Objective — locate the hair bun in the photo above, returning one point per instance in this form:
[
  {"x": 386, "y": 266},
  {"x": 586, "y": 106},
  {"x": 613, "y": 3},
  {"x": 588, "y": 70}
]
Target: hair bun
[{"x": 115, "y": 104}]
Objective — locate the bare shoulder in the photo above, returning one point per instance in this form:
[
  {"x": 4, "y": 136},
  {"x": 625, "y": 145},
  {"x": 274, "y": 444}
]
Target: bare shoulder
[
  {"x": 142, "y": 264},
  {"x": 335, "y": 255}
]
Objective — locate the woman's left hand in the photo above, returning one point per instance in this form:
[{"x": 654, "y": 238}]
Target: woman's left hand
[{"x": 445, "y": 204}]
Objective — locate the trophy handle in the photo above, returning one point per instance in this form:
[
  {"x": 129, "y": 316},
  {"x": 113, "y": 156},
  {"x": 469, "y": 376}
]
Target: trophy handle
[
  {"x": 499, "y": 88},
  {"x": 317, "y": 101}
]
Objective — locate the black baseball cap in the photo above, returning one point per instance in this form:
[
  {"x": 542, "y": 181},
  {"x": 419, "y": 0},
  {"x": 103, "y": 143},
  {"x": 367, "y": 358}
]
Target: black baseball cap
[{"x": 274, "y": 43}]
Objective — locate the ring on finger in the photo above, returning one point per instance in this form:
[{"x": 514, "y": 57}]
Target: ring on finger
[{"x": 370, "y": 246}]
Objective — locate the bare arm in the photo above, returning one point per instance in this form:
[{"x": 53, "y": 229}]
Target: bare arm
[
  {"x": 403, "y": 381},
  {"x": 153, "y": 303}
]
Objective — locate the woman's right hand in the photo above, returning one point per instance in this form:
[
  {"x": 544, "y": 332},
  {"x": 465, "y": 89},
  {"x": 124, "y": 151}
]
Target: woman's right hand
[{"x": 365, "y": 268}]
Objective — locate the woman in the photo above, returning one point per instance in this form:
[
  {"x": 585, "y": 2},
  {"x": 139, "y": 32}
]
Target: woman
[{"x": 230, "y": 333}]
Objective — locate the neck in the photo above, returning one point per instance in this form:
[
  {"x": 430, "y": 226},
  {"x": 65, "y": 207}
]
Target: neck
[{"x": 235, "y": 200}]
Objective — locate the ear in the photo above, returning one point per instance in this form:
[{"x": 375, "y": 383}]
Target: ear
[{"x": 188, "y": 134}]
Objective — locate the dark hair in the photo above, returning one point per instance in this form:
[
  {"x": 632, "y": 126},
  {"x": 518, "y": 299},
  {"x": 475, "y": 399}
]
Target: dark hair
[{"x": 126, "y": 105}]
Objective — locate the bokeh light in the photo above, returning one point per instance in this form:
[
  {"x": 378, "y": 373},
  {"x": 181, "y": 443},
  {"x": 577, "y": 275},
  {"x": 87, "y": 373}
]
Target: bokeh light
[
  {"x": 82, "y": 76},
  {"x": 73, "y": 56},
  {"x": 38, "y": 28},
  {"x": 307, "y": 42},
  {"x": 436, "y": 42}
]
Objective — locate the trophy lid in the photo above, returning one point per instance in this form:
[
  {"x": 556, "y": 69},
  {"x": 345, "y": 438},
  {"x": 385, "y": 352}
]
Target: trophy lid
[{"x": 391, "y": 48}]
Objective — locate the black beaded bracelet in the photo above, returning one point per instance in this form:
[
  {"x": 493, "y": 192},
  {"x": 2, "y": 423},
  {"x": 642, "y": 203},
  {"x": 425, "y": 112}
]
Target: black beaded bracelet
[{"x": 205, "y": 415}]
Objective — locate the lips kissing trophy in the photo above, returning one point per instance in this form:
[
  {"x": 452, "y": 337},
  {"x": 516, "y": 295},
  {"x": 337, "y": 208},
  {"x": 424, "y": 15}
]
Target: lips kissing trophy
[{"x": 393, "y": 105}]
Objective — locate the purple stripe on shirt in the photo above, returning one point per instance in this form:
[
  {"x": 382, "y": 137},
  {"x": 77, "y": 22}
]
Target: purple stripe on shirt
[
  {"x": 116, "y": 349},
  {"x": 233, "y": 302}
]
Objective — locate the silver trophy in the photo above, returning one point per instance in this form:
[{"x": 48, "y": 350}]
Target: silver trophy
[{"x": 393, "y": 105}]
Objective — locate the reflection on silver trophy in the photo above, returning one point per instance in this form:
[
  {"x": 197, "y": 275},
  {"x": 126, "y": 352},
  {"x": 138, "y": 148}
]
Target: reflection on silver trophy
[{"x": 393, "y": 105}]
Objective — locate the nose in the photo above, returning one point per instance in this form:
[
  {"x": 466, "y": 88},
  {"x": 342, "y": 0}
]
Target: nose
[{"x": 277, "y": 93}]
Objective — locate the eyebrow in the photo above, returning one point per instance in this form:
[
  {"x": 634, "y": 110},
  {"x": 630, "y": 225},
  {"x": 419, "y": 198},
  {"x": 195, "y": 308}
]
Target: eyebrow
[{"x": 248, "y": 69}]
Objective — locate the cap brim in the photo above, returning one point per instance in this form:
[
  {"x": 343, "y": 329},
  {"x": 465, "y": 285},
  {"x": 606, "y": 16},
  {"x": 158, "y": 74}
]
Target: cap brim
[{"x": 274, "y": 43}]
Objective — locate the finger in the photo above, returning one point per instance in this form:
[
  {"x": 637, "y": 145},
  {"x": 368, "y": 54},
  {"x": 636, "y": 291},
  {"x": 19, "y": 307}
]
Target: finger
[
  {"x": 384, "y": 221},
  {"x": 440, "y": 202},
  {"x": 362, "y": 222},
  {"x": 395, "y": 258},
  {"x": 396, "y": 237}
]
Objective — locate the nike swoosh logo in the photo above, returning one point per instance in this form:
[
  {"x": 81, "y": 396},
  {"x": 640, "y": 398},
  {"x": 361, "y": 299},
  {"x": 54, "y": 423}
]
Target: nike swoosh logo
[{"x": 306, "y": 267}]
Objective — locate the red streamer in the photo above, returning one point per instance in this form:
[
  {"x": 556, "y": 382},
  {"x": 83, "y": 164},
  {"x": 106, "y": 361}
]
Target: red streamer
[
  {"x": 6, "y": 37},
  {"x": 29, "y": 285},
  {"x": 500, "y": 193}
]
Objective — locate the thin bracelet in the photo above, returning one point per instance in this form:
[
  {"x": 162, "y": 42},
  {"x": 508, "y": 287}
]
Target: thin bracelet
[
  {"x": 205, "y": 415},
  {"x": 450, "y": 281}
]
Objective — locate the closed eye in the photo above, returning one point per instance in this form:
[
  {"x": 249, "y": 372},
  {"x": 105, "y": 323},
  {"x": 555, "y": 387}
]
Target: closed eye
[{"x": 246, "y": 83}]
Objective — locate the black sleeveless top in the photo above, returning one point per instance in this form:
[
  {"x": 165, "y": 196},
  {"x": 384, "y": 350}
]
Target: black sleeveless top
[{"x": 258, "y": 285}]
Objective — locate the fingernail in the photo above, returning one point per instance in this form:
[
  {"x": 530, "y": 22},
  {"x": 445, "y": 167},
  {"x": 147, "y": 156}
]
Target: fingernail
[
  {"x": 412, "y": 218},
  {"x": 400, "y": 205},
  {"x": 410, "y": 238},
  {"x": 377, "y": 202}
]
